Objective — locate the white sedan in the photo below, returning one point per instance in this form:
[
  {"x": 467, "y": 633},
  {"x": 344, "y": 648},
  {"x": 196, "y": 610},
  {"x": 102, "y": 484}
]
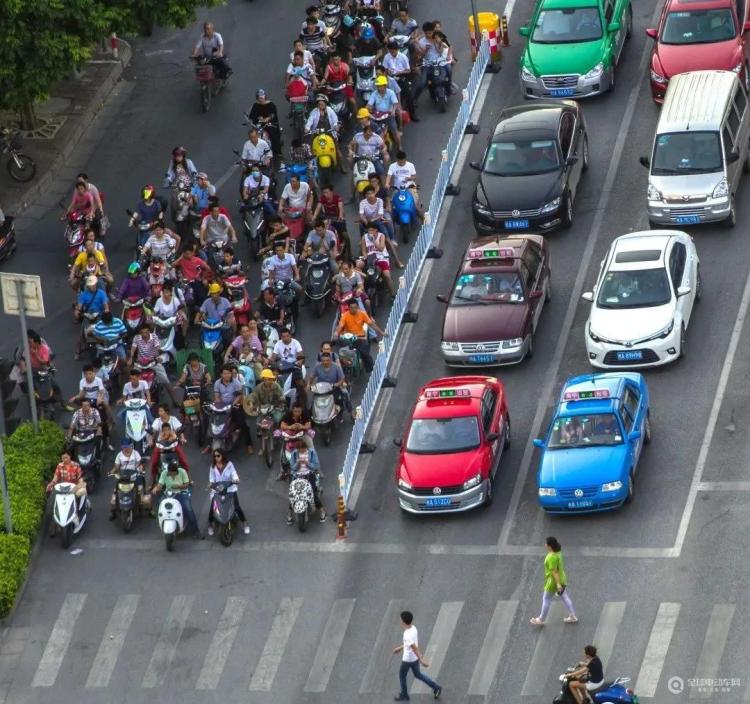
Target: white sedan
[{"x": 643, "y": 299}]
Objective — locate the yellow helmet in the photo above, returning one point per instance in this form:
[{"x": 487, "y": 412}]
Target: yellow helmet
[
  {"x": 362, "y": 113},
  {"x": 214, "y": 288},
  {"x": 267, "y": 374},
  {"x": 381, "y": 81}
]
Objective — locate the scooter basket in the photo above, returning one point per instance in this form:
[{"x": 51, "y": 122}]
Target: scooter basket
[{"x": 204, "y": 73}]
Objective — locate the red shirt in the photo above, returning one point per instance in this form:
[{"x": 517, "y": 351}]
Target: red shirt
[
  {"x": 40, "y": 357},
  {"x": 331, "y": 206},
  {"x": 192, "y": 269},
  {"x": 340, "y": 76}
]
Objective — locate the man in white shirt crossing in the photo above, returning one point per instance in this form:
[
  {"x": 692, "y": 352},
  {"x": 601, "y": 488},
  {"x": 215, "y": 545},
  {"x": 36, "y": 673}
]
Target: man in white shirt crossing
[{"x": 411, "y": 659}]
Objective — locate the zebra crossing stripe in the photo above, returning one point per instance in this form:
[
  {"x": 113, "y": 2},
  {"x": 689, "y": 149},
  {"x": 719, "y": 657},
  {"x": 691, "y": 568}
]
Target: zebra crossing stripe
[
  {"x": 275, "y": 645},
  {"x": 166, "y": 646},
  {"x": 656, "y": 650},
  {"x": 492, "y": 648},
  {"x": 329, "y": 645},
  {"x": 712, "y": 651},
  {"x": 440, "y": 639},
  {"x": 221, "y": 643},
  {"x": 379, "y": 668},
  {"x": 59, "y": 640},
  {"x": 606, "y": 630},
  {"x": 113, "y": 640},
  {"x": 547, "y": 647}
]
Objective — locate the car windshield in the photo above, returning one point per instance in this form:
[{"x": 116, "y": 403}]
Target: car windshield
[
  {"x": 568, "y": 26},
  {"x": 698, "y": 27},
  {"x": 500, "y": 287},
  {"x": 682, "y": 153},
  {"x": 634, "y": 289},
  {"x": 432, "y": 436},
  {"x": 522, "y": 157},
  {"x": 584, "y": 431}
]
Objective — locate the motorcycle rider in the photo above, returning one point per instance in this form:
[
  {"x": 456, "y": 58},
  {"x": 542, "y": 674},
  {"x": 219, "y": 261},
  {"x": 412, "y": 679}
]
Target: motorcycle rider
[
  {"x": 217, "y": 307},
  {"x": 82, "y": 202},
  {"x": 230, "y": 265},
  {"x": 246, "y": 346},
  {"x": 256, "y": 150},
  {"x": 228, "y": 392},
  {"x": 283, "y": 267},
  {"x": 41, "y": 359},
  {"x": 367, "y": 44},
  {"x": 368, "y": 144},
  {"x": 135, "y": 388},
  {"x": 299, "y": 45},
  {"x": 325, "y": 370},
  {"x": 270, "y": 308},
  {"x": 194, "y": 271},
  {"x": 92, "y": 299},
  {"x": 315, "y": 39},
  {"x": 149, "y": 209},
  {"x": 258, "y": 181},
  {"x": 180, "y": 167},
  {"x": 325, "y": 118},
  {"x": 403, "y": 24},
  {"x": 162, "y": 243},
  {"x": 331, "y": 207},
  {"x": 127, "y": 459},
  {"x": 144, "y": 351},
  {"x": 67, "y": 471},
  {"x": 267, "y": 393},
  {"x": 353, "y": 322},
  {"x": 429, "y": 50},
  {"x": 265, "y": 116},
  {"x": 82, "y": 265},
  {"x": 216, "y": 227},
  {"x": 305, "y": 464},
  {"x": 287, "y": 352},
  {"x": 91, "y": 388},
  {"x": 109, "y": 329},
  {"x": 201, "y": 191},
  {"x": 338, "y": 72},
  {"x": 169, "y": 305},
  {"x": 278, "y": 233},
  {"x": 322, "y": 239},
  {"x": 222, "y": 470},
  {"x": 165, "y": 418},
  {"x": 297, "y": 420},
  {"x": 85, "y": 420},
  {"x": 134, "y": 285},
  {"x": 384, "y": 100},
  {"x": 349, "y": 280},
  {"x": 195, "y": 373},
  {"x": 98, "y": 202},
  {"x": 586, "y": 678},
  {"x": 176, "y": 479},
  {"x": 299, "y": 69},
  {"x": 211, "y": 46}
]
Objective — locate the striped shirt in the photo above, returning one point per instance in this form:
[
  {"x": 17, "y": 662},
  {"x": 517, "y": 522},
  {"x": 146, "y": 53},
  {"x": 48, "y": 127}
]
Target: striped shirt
[
  {"x": 85, "y": 422},
  {"x": 145, "y": 350},
  {"x": 110, "y": 332}
]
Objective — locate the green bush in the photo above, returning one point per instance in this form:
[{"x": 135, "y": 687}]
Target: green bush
[{"x": 30, "y": 459}]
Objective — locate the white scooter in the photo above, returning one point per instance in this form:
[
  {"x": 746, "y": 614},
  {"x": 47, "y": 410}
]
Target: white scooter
[
  {"x": 165, "y": 329},
  {"x": 271, "y": 335},
  {"x": 69, "y": 512},
  {"x": 136, "y": 423},
  {"x": 171, "y": 518},
  {"x": 324, "y": 409},
  {"x": 302, "y": 499}
]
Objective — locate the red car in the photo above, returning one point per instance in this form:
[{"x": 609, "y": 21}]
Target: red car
[
  {"x": 698, "y": 35},
  {"x": 452, "y": 446}
]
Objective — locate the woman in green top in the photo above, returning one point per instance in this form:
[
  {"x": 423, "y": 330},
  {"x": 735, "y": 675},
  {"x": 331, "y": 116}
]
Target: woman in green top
[{"x": 555, "y": 582}]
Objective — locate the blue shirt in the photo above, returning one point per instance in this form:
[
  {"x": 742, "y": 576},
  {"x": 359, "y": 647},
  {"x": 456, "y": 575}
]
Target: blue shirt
[
  {"x": 383, "y": 103},
  {"x": 112, "y": 331},
  {"x": 148, "y": 213},
  {"x": 201, "y": 195},
  {"x": 92, "y": 302},
  {"x": 215, "y": 311}
]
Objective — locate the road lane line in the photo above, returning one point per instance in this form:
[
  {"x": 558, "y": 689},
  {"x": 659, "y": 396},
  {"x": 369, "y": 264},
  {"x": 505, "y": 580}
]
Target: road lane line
[
  {"x": 712, "y": 652},
  {"x": 550, "y": 380},
  {"x": 491, "y": 651},
  {"x": 547, "y": 647},
  {"x": 329, "y": 645},
  {"x": 606, "y": 630},
  {"x": 59, "y": 640},
  {"x": 275, "y": 645},
  {"x": 723, "y": 486},
  {"x": 440, "y": 640},
  {"x": 113, "y": 640},
  {"x": 380, "y": 663},
  {"x": 713, "y": 417},
  {"x": 169, "y": 639},
  {"x": 656, "y": 650},
  {"x": 221, "y": 643}
]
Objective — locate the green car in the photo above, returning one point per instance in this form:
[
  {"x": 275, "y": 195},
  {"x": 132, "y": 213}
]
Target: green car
[{"x": 573, "y": 46}]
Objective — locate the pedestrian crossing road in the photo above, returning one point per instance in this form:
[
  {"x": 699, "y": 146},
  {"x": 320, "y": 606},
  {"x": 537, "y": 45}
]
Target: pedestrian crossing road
[{"x": 104, "y": 643}]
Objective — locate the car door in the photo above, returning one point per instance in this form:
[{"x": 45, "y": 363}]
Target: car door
[
  {"x": 531, "y": 284},
  {"x": 570, "y": 144},
  {"x": 628, "y": 423},
  {"x": 490, "y": 425},
  {"x": 677, "y": 272},
  {"x": 633, "y": 403},
  {"x": 621, "y": 16}
]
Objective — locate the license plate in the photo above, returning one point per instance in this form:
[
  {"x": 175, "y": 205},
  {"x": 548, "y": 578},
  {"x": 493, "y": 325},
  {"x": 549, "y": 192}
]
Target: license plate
[
  {"x": 629, "y": 355},
  {"x": 438, "y": 501},
  {"x": 516, "y": 224},
  {"x": 482, "y": 358},
  {"x": 688, "y": 219},
  {"x": 580, "y": 504},
  {"x": 562, "y": 92}
]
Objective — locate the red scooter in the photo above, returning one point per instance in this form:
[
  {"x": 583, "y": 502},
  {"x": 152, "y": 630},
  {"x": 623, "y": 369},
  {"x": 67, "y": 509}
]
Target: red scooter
[
  {"x": 294, "y": 219},
  {"x": 237, "y": 294},
  {"x": 75, "y": 233},
  {"x": 133, "y": 314}
]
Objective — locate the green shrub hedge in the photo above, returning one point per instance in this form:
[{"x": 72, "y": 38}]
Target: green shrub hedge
[{"x": 30, "y": 459}]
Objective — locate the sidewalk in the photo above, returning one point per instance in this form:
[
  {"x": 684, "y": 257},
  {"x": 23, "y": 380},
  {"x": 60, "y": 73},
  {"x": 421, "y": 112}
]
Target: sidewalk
[{"x": 74, "y": 102}]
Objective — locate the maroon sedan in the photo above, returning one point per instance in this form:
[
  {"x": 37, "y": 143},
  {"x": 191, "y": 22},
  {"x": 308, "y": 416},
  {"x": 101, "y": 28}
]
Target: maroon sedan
[{"x": 498, "y": 296}]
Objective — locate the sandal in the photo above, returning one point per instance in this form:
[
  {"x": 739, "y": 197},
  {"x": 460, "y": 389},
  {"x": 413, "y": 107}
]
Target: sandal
[
  {"x": 571, "y": 619},
  {"x": 536, "y": 621}
]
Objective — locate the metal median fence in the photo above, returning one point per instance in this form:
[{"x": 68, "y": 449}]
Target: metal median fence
[{"x": 407, "y": 282}]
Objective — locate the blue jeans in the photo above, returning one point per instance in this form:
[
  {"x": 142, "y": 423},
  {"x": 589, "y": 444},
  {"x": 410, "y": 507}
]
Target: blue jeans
[{"x": 418, "y": 674}]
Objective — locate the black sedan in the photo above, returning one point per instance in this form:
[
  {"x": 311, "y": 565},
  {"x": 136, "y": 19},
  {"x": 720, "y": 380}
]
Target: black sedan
[{"x": 531, "y": 169}]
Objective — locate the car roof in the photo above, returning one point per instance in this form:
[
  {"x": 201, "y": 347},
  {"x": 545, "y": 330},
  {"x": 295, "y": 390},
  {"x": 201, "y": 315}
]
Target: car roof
[
  {"x": 610, "y": 385},
  {"x": 688, "y": 5},
  {"x": 646, "y": 241},
  {"x": 542, "y": 116},
  {"x": 564, "y": 4},
  {"x": 452, "y": 406},
  {"x": 480, "y": 252},
  {"x": 696, "y": 101}
]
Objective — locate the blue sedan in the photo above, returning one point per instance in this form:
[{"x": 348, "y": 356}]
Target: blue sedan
[{"x": 591, "y": 451}]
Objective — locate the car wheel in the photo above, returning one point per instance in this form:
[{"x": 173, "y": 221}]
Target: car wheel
[
  {"x": 647, "y": 432},
  {"x": 585, "y": 155},
  {"x": 698, "y": 286},
  {"x": 490, "y": 494},
  {"x": 631, "y": 488},
  {"x": 682, "y": 341},
  {"x": 548, "y": 290},
  {"x": 530, "y": 349},
  {"x": 629, "y": 22},
  {"x": 731, "y": 219},
  {"x": 506, "y": 443},
  {"x": 567, "y": 219}
]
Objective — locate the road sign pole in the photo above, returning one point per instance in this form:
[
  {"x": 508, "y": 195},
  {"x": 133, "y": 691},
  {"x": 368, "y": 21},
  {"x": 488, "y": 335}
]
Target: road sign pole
[{"x": 27, "y": 354}]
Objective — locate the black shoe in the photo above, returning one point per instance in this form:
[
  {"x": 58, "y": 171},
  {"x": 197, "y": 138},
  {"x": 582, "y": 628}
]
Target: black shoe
[
  {"x": 438, "y": 691},
  {"x": 112, "y": 515},
  {"x": 414, "y": 118},
  {"x": 400, "y": 698}
]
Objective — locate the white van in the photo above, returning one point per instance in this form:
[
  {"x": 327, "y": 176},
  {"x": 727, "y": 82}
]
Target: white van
[{"x": 700, "y": 150}]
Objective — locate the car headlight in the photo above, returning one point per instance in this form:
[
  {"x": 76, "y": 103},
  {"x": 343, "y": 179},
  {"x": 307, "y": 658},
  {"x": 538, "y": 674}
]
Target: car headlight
[
  {"x": 551, "y": 206},
  {"x": 721, "y": 190},
  {"x": 515, "y": 342},
  {"x": 474, "y": 481},
  {"x": 449, "y": 346},
  {"x": 666, "y": 331},
  {"x": 593, "y": 335},
  {"x": 612, "y": 486},
  {"x": 595, "y": 72},
  {"x": 527, "y": 75},
  {"x": 654, "y": 193},
  {"x": 547, "y": 491},
  {"x": 482, "y": 209},
  {"x": 658, "y": 78},
  {"x": 403, "y": 484}
]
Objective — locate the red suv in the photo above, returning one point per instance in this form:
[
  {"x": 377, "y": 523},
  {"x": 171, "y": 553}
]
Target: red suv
[{"x": 698, "y": 35}]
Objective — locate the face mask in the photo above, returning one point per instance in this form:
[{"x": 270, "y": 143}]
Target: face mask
[{"x": 255, "y": 174}]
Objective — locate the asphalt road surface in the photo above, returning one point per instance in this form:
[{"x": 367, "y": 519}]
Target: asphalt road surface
[{"x": 659, "y": 585}]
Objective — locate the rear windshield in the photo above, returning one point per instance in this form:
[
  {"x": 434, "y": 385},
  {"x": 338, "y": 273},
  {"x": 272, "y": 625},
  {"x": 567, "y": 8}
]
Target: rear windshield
[
  {"x": 441, "y": 435},
  {"x": 684, "y": 153}
]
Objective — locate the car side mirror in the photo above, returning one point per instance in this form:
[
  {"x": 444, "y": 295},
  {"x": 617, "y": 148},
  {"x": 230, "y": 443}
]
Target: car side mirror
[
  {"x": 588, "y": 296},
  {"x": 732, "y": 157},
  {"x": 398, "y": 442},
  {"x": 683, "y": 290},
  {"x": 746, "y": 27},
  {"x": 442, "y": 298},
  {"x": 535, "y": 294},
  {"x": 635, "y": 435},
  {"x": 571, "y": 160},
  {"x": 539, "y": 442},
  {"x": 475, "y": 165},
  {"x": 524, "y": 30},
  {"x": 645, "y": 161},
  {"x": 613, "y": 27},
  {"x": 652, "y": 32},
  {"x": 492, "y": 437}
]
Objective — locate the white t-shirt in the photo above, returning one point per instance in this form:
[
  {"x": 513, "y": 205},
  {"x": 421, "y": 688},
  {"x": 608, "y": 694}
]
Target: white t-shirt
[
  {"x": 173, "y": 423},
  {"x": 127, "y": 463},
  {"x": 296, "y": 199},
  {"x": 140, "y": 391},
  {"x": 92, "y": 389},
  {"x": 162, "y": 309},
  {"x": 283, "y": 268},
  {"x": 287, "y": 353},
  {"x": 401, "y": 174},
  {"x": 395, "y": 64},
  {"x": 410, "y": 638}
]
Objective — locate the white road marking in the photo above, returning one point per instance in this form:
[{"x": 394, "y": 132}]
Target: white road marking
[
  {"x": 656, "y": 650},
  {"x": 329, "y": 645},
  {"x": 273, "y": 650},
  {"x": 59, "y": 640},
  {"x": 158, "y": 52},
  {"x": 491, "y": 651},
  {"x": 221, "y": 643},
  {"x": 379, "y": 666},
  {"x": 606, "y": 630},
  {"x": 547, "y": 647},
  {"x": 723, "y": 486},
  {"x": 225, "y": 176},
  {"x": 169, "y": 639},
  {"x": 713, "y": 418},
  {"x": 553, "y": 370},
  {"x": 113, "y": 640},
  {"x": 440, "y": 640},
  {"x": 712, "y": 652}
]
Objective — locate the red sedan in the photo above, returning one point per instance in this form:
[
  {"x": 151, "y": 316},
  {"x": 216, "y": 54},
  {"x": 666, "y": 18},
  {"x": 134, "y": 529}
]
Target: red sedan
[{"x": 698, "y": 35}]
